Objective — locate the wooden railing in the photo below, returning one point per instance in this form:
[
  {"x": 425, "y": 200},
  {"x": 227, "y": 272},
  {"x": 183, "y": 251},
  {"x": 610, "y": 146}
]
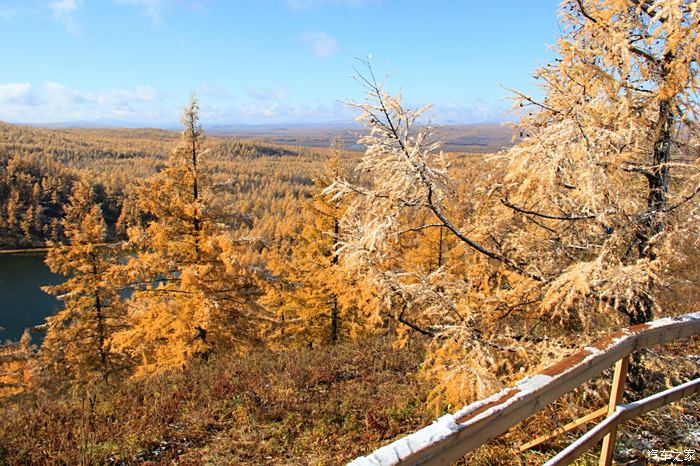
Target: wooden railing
[{"x": 452, "y": 436}]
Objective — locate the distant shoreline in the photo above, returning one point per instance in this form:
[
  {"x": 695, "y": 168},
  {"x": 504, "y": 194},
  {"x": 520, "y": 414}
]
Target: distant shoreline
[{"x": 24, "y": 250}]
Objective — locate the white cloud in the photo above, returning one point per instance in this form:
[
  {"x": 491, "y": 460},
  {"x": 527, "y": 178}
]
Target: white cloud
[
  {"x": 62, "y": 11},
  {"x": 151, "y": 8},
  {"x": 17, "y": 94},
  {"x": 55, "y": 102},
  {"x": 321, "y": 44},
  {"x": 279, "y": 113},
  {"x": 58, "y": 93},
  {"x": 476, "y": 111}
]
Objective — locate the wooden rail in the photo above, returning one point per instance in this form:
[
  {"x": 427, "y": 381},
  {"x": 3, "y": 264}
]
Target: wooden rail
[
  {"x": 621, "y": 414},
  {"x": 453, "y": 435}
]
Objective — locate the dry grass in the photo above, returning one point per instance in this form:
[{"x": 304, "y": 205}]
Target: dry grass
[
  {"x": 320, "y": 406},
  {"x": 314, "y": 406}
]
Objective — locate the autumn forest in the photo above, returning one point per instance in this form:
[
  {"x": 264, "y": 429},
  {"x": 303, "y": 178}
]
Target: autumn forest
[{"x": 235, "y": 301}]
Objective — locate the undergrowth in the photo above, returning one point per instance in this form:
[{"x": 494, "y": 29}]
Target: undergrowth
[{"x": 316, "y": 406}]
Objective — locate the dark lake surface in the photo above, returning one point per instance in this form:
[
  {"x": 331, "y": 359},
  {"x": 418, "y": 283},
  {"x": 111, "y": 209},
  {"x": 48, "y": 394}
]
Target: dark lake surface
[{"x": 22, "y": 303}]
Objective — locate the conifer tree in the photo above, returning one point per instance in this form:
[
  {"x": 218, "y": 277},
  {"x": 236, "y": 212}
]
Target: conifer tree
[
  {"x": 584, "y": 215},
  {"x": 77, "y": 348},
  {"x": 606, "y": 176},
  {"x": 15, "y": 367},
  {"x": 193, "y": 294},
  {"x": 607, "y": 173},
  {"x": 318, "y": 304}
]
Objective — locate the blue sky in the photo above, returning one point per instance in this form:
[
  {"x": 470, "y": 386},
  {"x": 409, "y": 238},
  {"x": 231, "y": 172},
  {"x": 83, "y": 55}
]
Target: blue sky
[{"x": 264, "y": 61}]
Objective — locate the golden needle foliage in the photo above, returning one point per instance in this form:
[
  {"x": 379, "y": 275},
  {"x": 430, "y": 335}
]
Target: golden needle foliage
[
  {"x": 193, "y": 295},
  {"x": 316, "y": 302},
  {"x": 77, "y": 345},
  {"x": 575, "y": 227}
]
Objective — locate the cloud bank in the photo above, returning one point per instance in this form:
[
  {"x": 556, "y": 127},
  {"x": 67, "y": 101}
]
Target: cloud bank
[{"x": 53, "y": 102}]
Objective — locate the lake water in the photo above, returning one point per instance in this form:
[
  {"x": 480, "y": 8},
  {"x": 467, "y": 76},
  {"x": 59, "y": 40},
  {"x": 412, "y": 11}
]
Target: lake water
[{"x": 22, "y": 303}]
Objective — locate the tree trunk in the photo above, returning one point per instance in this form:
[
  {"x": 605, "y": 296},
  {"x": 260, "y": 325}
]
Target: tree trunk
[
  {"x": 439, "y": 260},
  {"x": 100, "y": 325},
  {"x": 334, "y": 261},
  {"x": 658, "y": 178},
  {"x": 334, "y": 320}
]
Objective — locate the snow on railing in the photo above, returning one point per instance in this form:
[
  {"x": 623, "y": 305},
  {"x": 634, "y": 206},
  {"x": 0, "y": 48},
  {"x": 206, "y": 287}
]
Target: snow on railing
[{"x": 453, "y": 435}]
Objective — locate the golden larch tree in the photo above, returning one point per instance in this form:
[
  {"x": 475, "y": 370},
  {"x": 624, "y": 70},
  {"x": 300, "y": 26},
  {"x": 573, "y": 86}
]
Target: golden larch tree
[
  {"x": 573, "y": 229},
  {"x": 316, "y": 301},
  {"x": 193, "y": 294},
  {"x": 77, "y": 345}
]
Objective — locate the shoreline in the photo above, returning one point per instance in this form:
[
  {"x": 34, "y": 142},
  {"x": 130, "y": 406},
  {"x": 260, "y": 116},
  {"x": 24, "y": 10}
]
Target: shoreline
[{"x": 24, "y": 251}]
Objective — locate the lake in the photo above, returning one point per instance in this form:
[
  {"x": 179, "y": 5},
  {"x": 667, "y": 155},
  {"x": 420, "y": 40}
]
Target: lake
[{"x": 22, "y": 303}]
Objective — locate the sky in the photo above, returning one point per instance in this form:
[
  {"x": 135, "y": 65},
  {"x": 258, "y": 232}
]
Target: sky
[{"x": 264, "y": 62}]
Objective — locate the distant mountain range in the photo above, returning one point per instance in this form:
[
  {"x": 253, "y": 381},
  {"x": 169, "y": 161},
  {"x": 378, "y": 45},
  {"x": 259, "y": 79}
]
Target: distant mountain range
[{"x": 479, "y": 137}]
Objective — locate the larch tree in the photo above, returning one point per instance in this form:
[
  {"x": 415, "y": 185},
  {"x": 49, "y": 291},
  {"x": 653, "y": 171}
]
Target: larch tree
[
  {"x": 77, "y": 346},
  {"x": 15, "y": 366},
  {"x": 603, "y": 188},
  {"x": 193, "y": 294},
  {"x": 316, "y": 302},
  {"x": 573, "y": 229},
  {"x": 406, "y": 191}
]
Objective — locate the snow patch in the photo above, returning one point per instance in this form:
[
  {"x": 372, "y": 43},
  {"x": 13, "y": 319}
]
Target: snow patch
[
  {"x": 404, "y": 447},
  {"x": 671, "y": 320},
  {"x": 470, "y": 408},
  {"x": 532, "y": 384}
]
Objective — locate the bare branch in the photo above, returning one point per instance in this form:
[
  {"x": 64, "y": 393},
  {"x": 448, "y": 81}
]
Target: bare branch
[{"x": 506, "y": 203}]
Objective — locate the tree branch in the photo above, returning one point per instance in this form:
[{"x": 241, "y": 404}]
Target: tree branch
[
  {"x": 420, "y": 228},
  {"x": 685, "y": 199},
  {"x": 411, "y": 325},
  {"x": 420, "y": 171},
  {"x": 506, "y": 203}
]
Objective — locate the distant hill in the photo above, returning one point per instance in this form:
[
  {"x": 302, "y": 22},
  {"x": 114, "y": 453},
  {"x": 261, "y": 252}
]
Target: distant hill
[
  {"x": 478, "y": 137},
  {"x": 482, "y": 137}
]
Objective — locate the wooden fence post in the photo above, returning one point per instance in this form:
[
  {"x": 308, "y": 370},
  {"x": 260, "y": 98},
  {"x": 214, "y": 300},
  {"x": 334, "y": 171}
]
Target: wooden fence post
[{"x": 616, "y": 392}]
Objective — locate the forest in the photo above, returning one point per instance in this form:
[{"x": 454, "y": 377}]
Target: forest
[{"x": 232, "y": 301}]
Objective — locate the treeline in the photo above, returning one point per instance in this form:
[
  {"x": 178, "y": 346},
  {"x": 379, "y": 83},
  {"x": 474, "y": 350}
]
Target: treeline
[
  {"x": 255, "y": 214},
  {"x": 38, "y": 168},
  {"x": 492, "y": 268}
]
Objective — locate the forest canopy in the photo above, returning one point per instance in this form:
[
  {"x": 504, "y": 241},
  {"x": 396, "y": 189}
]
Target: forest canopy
[{"x": 188, "y": 255}]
